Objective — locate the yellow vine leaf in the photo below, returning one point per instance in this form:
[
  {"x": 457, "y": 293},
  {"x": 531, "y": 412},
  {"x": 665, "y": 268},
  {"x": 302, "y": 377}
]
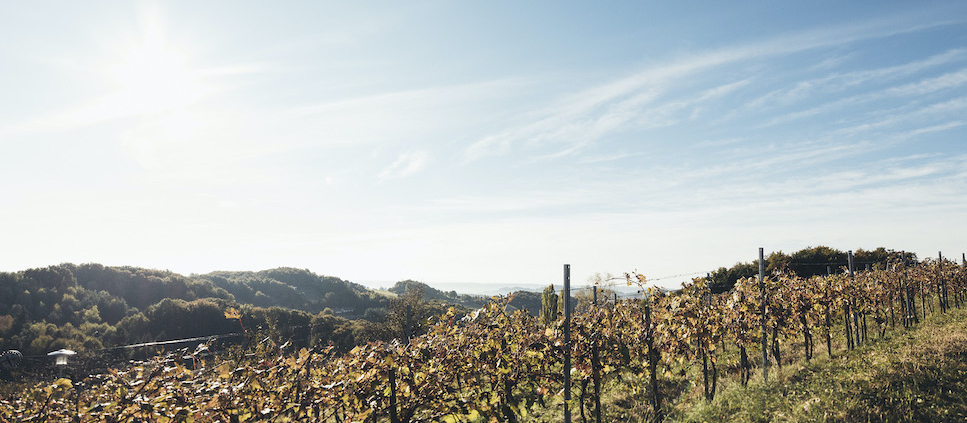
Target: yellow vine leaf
[{"x": 232, "y": 313}]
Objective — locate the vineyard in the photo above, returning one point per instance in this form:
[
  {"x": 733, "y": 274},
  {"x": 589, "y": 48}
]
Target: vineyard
[{"x": 491, "y": 365}]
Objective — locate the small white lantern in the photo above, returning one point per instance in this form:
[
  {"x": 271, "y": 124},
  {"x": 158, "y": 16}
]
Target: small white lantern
[{"x": 60, "y": 356}]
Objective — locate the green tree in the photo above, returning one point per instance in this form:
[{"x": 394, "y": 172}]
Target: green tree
[
  {"x": 880, "y": 257},
  {"x": 723, "y": 279},
  {"x": 814, "y": 261},
  {"x": 409, "y": 313},
  {"x": 332, "y": 330},
  {"x": 549, "y": 305}
]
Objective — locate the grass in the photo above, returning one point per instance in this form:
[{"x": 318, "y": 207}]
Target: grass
[{"x": 916, "y": 375}]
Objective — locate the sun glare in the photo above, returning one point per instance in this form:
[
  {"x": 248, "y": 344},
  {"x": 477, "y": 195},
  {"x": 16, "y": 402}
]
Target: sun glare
[
  {"x": 155, "y": 81},
  {"x": 154, "y": 76}
]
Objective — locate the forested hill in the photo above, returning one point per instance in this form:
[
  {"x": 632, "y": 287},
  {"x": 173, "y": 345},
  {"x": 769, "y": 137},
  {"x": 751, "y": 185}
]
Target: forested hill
[
  {"x": 295, "y": 288},
  {"x": 518, "y": 300},
  {"x": 91, "y": 306}
]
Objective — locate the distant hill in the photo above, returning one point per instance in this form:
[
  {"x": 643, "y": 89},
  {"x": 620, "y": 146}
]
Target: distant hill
[
  {"x": 521, "y": 299},
  {"x": 92, "y": 306},
  {"x": 430, "y": 293},
  {"x": 296, "y": 289}
]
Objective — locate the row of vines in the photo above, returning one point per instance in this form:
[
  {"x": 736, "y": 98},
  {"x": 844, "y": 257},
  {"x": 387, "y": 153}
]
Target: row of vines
[{"x": 491, "y": 365}]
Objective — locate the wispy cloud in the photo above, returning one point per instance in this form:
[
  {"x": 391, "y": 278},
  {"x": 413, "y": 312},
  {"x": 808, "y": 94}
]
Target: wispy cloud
[
  {"x": 245, "y": 69},
  {"x": 577, "y": 120},
  {"x": 907, "y": 117},
  {"x": 926, "y": 86},
  {"x": 406, "y": 164},
  {"x": 930, "y": 129},
  {"x": 504, "y": 203},
  {"x": 107, "y": 108},
  {"x": 608, "y": 158},
  {"x": 404, "y": 115},
  {"x": 838, "y": 82},
  {"x": 948, "y": 80}
]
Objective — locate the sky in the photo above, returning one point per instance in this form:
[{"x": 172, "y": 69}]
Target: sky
[{"x": 478, "y": 142}]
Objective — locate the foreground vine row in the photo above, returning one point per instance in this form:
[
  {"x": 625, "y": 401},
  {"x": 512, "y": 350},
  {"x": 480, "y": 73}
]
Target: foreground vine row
[{"x": 494, "y": 365}]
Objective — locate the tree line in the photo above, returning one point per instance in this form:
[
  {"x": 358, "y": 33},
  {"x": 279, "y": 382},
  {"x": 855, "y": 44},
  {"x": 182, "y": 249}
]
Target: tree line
[
  {"x": 810, "y": 261},
  {"x": 89, "y": 307}
]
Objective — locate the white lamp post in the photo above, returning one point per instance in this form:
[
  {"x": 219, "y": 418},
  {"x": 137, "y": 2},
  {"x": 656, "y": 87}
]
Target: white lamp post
[{"x": 60, "y": 359}]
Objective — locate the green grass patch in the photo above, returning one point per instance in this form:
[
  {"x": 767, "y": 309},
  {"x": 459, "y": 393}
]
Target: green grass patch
[{"x": 916, "y": 375}]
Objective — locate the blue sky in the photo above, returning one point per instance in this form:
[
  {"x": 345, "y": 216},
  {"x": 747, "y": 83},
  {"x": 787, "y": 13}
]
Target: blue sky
[{"x": 486, "y": 142}]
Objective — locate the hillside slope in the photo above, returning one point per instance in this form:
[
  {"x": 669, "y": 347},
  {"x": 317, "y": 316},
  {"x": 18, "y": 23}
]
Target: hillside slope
[
  {"x": 90, "y": 306},
  {"x": 917, "y": 375}
]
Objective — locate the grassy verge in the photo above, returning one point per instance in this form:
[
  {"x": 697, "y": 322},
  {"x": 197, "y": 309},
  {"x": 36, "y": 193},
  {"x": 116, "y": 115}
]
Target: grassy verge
[{"x": 917, "y": 375}]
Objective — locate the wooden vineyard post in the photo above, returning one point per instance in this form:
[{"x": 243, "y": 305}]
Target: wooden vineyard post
[
  {"x": 762, "y": 316},
  {"x": 394, "y": 417},
  {"x": 407, "y": 323},
  {"x": 906, "y": 295},
  {"x": 856, "y": 317},
  {"x": 707, "y": 355},
  {"x": 596, "y": 375},
  {"x": 911, "y": 294},
  {"x": 596, "y": 364},
  {"x": 508, "y": 391},
  {"x": 849, "y": 330},
  {"x": 829, "y": 345},
  {"x": 652, "y": 362},
  {"x": 567, "y": 343},
  {"x": 960, "y": 290},
  {"x": 743, "y": 355},
  {"x": 942, "y": 289}
]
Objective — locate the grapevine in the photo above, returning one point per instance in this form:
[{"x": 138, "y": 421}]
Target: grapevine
[{"x": 496, "y": 365}]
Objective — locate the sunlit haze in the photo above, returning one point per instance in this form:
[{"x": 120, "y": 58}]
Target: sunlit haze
[{"x": 478, "y": 142}]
